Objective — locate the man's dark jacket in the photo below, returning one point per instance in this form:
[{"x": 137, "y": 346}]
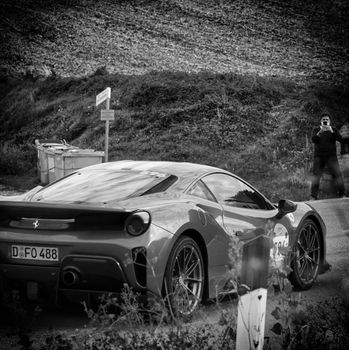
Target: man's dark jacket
[{"x": 325, "y": 144}]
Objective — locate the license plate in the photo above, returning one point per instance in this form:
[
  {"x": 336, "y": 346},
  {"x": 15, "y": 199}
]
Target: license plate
[{"x": 34, "y": 253}]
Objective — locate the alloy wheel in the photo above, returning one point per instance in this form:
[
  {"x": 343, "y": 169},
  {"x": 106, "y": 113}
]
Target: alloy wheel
[
  {"x": 185, "y": 277},
  {"x": 307, "y": 255}
]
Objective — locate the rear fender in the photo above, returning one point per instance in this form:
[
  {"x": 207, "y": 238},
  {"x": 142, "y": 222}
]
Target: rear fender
[{"x": 204, "y": 229}]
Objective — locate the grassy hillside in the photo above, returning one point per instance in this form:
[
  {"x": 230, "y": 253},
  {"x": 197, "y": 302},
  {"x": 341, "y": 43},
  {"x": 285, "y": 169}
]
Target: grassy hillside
[
  {"x": 236, "y": 84},
  {"x": 253, "y": 126}
]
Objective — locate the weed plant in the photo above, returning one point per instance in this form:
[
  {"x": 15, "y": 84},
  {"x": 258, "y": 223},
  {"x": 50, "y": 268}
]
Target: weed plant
[{"x": 303, "y": 325}]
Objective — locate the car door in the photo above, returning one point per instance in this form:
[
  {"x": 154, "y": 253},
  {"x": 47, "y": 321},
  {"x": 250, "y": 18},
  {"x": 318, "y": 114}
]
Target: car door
[
  {"x": 246, "y": 213},
  {"x": 214, "y": 234}
]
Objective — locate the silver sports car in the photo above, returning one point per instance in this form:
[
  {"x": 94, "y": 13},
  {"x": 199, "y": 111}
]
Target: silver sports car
[{"x": 160, "y": 227}]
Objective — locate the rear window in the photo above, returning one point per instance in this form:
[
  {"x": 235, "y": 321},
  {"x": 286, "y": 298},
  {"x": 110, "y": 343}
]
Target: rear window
[{"x": 102, "y": 186}]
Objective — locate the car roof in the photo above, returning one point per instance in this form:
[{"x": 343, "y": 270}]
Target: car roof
[{"x": 180, "y": 169}]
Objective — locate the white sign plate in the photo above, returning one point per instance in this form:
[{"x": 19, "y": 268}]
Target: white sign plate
[
  {"x": 103, "y": 96},
  {"x": 107, "y": 114}
]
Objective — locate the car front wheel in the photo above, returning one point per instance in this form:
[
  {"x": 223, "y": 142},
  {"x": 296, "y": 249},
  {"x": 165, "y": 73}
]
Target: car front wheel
[
  {"x": 184, "y": 279},
  {"x": 306, "y": 256}
]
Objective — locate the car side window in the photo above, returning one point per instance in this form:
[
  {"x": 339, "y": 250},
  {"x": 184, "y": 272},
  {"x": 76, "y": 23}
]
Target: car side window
[
  {"x": 201, "y": 191},
  {"x": 232, "y": 192}
]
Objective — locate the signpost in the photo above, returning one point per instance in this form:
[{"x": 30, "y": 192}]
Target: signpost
[
  {"x": 104, "y": 95},
  {"x": 106, "y": 115}
]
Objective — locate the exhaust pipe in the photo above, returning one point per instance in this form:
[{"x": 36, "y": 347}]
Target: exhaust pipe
[{"x": 71, "y": 276}]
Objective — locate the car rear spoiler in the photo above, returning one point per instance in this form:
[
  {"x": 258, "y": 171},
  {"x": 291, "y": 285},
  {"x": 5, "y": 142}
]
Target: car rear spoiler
[{"x": 78, "y": 212}]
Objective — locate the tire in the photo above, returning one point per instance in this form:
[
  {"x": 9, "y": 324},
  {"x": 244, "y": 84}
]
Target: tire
[
  {"x": 184, "y": 278},
  {"x": 306, "y": 256}
]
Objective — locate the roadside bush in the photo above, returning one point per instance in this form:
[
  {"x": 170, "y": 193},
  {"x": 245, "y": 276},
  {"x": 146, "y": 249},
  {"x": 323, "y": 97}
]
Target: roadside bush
[
  {"x": 311, "y": 326},
  {"x": 204, "y": 337},
  {"x": 301, "y": 324},
  {"x": 126, "y": 324},
  {"x": 16, "y": 160},
  {"x": 327, "y": 325}
]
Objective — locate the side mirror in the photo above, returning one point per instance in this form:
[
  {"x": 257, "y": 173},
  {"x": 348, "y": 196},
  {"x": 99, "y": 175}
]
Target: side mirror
[{"x": 285, "y": 207}]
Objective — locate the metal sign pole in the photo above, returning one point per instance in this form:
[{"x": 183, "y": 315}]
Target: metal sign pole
[
  {"x": 106, "y": 115},
  {"x": 107, "y": 132}
]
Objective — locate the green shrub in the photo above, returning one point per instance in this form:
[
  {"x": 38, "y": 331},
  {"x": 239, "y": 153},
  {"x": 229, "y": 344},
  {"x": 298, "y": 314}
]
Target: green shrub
[
  {"x": 16, "y": 160},
  {"x": 300, "y": 324},
  {"x": 311, "y": 326},
  {"x": 327, "y": 325},
  {"x": 192, "y": 338}
]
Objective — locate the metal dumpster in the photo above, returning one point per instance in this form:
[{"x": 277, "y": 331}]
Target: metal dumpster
[
  {"x": 57, "y": 159},
  {"x": 42, "y": 163},
  {"x": 51, "y": 160},
  {"x": 67, "y": 161}
]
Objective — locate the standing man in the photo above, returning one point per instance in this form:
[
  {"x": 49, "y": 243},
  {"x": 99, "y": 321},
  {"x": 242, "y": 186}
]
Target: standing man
[{"x": 325, "y": 153}]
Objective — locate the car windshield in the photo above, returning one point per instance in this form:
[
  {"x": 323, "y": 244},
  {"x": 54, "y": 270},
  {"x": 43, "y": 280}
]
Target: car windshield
[{"x": 103, "y": 186}]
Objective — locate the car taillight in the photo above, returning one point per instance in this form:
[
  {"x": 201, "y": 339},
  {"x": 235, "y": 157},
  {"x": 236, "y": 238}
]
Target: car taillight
[{"x": 137, "y": 223}]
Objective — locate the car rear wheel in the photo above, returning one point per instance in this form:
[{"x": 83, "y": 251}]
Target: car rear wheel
[
  {"x": 184, "y": 279},
  {"x": 307, "y": 254}
]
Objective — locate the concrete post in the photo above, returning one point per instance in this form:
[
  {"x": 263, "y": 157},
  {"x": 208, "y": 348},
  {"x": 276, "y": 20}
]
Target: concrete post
[{"x": 253, "y": 294}]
